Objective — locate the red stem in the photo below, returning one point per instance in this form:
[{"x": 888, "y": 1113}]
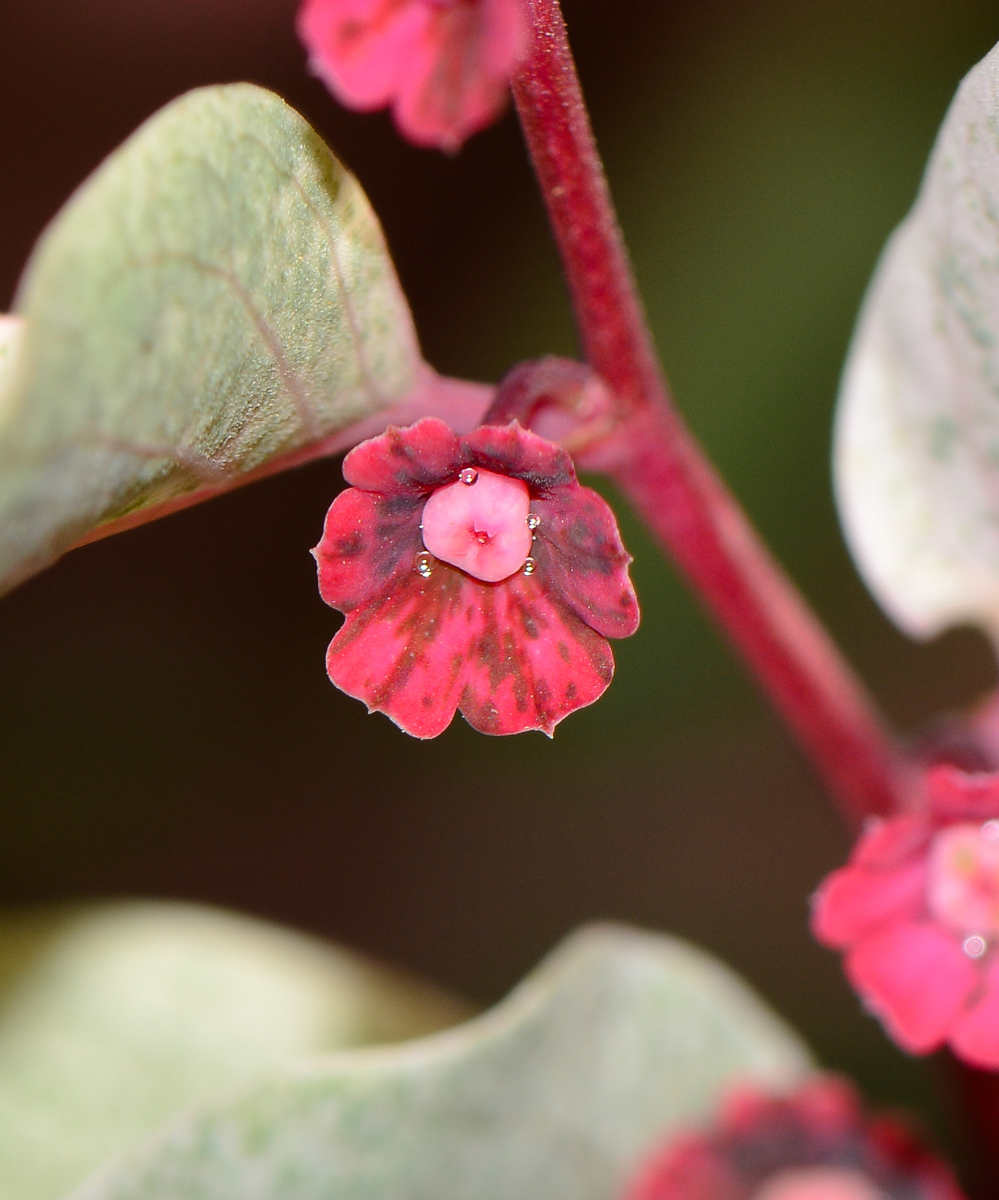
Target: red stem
[{"x": 656, "y": 462}]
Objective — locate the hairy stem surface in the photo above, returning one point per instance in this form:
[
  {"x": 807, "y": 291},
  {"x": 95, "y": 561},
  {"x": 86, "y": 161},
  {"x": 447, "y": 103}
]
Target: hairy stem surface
[{"x": 658, "y": 465}]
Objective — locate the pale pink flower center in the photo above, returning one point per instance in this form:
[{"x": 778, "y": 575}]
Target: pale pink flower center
[
  {"x": 819, "y": 1183},
  {"x": 963, "y": 889},
  {"x": 480, "y": 524}
]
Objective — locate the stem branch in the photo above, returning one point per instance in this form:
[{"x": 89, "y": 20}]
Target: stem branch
[{"x": 658, "y": 465}]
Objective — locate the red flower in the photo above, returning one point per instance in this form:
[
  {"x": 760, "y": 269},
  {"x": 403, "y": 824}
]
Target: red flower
[
  {"x": 475, "y": 574},
  {"x": 444, "y": 65},
  {"x": 816, "y": 1144},
  {"x": 917, "y": 912}
]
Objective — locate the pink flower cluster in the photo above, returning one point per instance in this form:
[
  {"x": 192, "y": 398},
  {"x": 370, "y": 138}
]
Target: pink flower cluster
[
  {"x": 476, "y": 574},
  {"x": 916, "y": 912},
  {"x": 443, "y": 65},
  {"x": 817, "y": 1144}
]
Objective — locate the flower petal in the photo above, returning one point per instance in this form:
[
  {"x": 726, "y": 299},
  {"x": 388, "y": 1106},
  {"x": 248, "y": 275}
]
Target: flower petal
[
  {"x": 368, "y": 541},
  {"x": 975, "y": 1036},
  {"x": 361, "y": 48},
  {"x": 532, "y": 661},
  {"x": 459, "y": 73},
  {"x": 887, "y": 844},
  {"x": 579, "y": 549},
  {"x": 506, "y": 36},
  {"x": 690, "y": 1167},
  {"x": 828, "y": 1107},
  {"x": 404, "y": 653},
  {"x": 916, "y": 979},
  {"x": 580, "y": 553},
  {"x": 962, "y": 892},
  {"x": 417, "y": 458},
  {"x": 852, "y": 902},
  {"x": 511, "y": 450},
  {"x": 506, "y": 654}
]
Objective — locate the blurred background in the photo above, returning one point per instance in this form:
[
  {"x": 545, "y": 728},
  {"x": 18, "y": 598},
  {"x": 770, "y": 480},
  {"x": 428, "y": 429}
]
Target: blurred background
[{"x": 166, "y": 726}]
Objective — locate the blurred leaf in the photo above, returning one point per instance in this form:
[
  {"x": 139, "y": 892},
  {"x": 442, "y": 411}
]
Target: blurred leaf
[
  {"x": 553, "y": 1095},
  {"x": 217, "y": 295},
  {"x": 11, "y": 333},
  {"x": 113, "y": 1019},
  {"x": 917, "y": 440}
]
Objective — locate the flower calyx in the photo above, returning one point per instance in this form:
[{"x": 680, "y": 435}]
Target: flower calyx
[{"x": 563, "y": 400}]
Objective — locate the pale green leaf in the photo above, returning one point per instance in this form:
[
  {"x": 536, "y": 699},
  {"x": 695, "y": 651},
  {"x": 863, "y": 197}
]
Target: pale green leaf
[
  {"x": 917, "y": 436},
  {"x": 114, "y": 1018},
  {"x": 217, "y": 296},
  {"x": 11, "y": 333},
  {"x": 554, "y": 1095}
]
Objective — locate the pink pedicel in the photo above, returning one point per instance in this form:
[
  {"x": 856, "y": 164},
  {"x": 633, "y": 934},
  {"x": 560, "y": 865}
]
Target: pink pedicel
[
  {"x": 481, "y": 524},
  {"x": 916, "y": 913},
  {"x": 817, "y": 1143},
  {"x": 476, "y": 575},
  {"x": 443, "y": 65}
]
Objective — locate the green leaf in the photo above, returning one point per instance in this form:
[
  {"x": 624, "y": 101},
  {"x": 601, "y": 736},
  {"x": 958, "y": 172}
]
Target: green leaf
[
  {"x": 11, "y": 333},
  {"x": 917, "y": 437},
  {"x": 115, "y": 1018},
  {"x": 217, "y": 296},
  {"x": 553, "y": 1095}
]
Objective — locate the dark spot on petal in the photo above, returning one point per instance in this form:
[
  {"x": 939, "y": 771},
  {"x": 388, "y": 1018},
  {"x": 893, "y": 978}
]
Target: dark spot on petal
[
  {"x": 470, "y": 613},
  {"x": 350, "y": 547},
  {"x": 397, "y": 506},
  {"x": 427, "y": 701},
  {"x": 571, "y": 690},
  {"x": 565, "y": 655},
  {"x": 484, "y": 717},
  {"x": 530, "y": 625}
]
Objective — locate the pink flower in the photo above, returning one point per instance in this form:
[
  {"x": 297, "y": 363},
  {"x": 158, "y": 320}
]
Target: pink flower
[
  {"x": 475, "y": 574},
  {"x": 444, "y": 65},
  {"x": 817, "y": 1144},
  {"x": 917, "y": 912}
]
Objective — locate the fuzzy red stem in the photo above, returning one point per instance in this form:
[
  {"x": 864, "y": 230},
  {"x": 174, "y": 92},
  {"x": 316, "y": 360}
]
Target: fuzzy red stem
[{"x": 658, "y": 465}]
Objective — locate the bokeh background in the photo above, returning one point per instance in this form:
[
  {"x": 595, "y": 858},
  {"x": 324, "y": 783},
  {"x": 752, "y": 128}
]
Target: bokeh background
[{"x": 166, "y": 727}]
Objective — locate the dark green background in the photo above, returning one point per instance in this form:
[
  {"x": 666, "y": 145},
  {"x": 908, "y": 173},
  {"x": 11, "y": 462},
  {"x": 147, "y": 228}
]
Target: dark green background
[{"x": 166, "y": 727}]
